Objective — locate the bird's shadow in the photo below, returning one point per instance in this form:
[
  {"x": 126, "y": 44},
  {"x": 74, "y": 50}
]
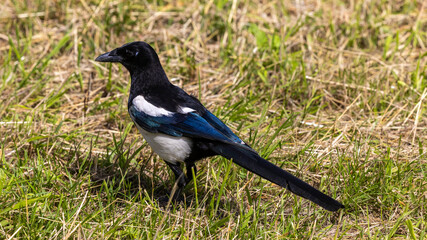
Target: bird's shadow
[
  {"x": 131, "y": 182},
  {"x": 127, "y": 182}
]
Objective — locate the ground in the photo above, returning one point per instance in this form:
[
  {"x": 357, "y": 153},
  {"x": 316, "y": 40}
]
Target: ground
[{"x": 334, "y": 92}]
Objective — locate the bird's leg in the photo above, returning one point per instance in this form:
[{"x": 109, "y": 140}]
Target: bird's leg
[
  {"x": 191, "y": 166},
  {"x": 179, "y": 177}
]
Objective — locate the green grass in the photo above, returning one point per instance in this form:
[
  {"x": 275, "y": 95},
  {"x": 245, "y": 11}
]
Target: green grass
[{"x": 334, "y": 92}]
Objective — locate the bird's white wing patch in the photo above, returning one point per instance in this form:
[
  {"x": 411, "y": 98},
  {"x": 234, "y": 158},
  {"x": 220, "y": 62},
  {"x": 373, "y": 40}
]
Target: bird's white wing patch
[
  {"x": 142, "y": 105},
  {"x": 186, "y": 110}
]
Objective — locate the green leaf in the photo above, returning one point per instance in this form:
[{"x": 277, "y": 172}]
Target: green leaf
[
  {"x": 260, "y": 36},
  {"x": 25, "y": 202}
]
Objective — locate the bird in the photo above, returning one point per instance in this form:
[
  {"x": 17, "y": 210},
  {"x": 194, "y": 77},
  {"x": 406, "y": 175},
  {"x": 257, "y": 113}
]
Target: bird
[{"x": 182, "y": 131}]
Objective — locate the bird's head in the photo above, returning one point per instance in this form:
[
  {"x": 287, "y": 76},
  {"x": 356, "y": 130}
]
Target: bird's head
[{"x": 132, "y": 55}]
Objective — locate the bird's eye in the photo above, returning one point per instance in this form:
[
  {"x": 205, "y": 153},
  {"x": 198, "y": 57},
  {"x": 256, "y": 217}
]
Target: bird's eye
[{"x": 128, "y": 53}]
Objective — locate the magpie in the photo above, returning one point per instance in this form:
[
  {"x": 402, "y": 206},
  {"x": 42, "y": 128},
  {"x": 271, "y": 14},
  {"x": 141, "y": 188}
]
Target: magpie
[{"x": 182, "y": 131}]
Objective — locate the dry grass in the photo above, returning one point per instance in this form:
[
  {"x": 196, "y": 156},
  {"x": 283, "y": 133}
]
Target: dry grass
[{"x": 333, "y": 91}]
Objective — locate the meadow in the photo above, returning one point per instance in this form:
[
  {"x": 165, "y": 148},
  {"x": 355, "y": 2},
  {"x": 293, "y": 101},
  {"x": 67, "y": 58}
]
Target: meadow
[{"x": 333, "y": 91}]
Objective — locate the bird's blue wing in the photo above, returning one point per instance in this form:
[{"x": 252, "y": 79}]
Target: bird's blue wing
[
  {"x": 220, "y": 126},
  {"x": 190, "y": 124}
]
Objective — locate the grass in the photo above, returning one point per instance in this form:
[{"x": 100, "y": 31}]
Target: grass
[{"x": 334, "y": 92}]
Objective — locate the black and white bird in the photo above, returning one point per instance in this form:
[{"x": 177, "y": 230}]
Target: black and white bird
[{"x": 181, "y": 130}]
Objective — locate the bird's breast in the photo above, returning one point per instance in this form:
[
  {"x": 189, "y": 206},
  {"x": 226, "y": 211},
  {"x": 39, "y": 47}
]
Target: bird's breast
[{"x": 169, "y": 148}]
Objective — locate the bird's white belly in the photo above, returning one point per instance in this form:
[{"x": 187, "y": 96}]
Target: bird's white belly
[{"x": 169, "y": 148}]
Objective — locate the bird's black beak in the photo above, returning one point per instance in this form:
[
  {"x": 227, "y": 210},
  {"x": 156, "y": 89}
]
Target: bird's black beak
[{"x": 109, "y": 57}]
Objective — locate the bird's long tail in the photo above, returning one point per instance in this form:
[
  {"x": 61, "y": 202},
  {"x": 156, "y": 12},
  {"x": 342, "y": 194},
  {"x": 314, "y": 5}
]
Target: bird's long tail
[{"x": 251, "y": 161}]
